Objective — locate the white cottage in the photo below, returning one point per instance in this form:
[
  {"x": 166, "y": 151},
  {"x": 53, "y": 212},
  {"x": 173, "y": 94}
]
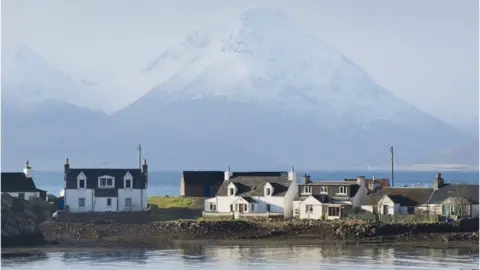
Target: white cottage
[
  {"x": 249, "y": 194},
  {"x": 21, "y": 184},
  {"x": 101, "y": 190}
]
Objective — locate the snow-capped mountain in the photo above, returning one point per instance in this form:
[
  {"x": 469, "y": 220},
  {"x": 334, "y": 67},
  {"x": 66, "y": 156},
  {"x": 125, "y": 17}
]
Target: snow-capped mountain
[
  {"x": 27, "y": 78},
  {"x": 269, "y": 87},
  {"x": 265, "y": 57}
]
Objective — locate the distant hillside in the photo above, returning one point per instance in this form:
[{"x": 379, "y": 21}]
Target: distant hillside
[{"x": 463, "y": 155}]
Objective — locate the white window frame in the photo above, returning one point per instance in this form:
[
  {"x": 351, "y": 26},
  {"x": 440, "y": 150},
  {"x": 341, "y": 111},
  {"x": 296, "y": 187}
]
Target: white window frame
[
  {"x": 307, "y": 190},
  {"x": 212, "y": 206},
  {"x": 81, "y": 177},
  {"x": 128, "y": 177},
  {"x": 106, "y": 181},
  {"x": 84, "y": 203},
  {"x": 344, "y": 188},
  {"x": 323, "y": 190},
  {"x": 309, "y": 208},
  {"x": 268, "y": 192},
  {"x": 231, "y": 189}
]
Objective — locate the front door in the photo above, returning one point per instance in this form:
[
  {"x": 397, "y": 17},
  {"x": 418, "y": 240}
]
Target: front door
[{"x": 385, "y": 209}]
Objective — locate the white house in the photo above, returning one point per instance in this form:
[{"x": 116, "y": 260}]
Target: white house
[
  {"x": 321, "y": 207},
  {"x": 21, "y": 184},
  {"x": 249, "y": 194},
  {"x": 101, "y": 190}
]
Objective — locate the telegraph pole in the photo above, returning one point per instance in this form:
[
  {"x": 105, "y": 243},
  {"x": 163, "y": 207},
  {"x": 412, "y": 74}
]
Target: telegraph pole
[
  {"x": 391, "y": 156},
  {"x": 139, "y": 156}
]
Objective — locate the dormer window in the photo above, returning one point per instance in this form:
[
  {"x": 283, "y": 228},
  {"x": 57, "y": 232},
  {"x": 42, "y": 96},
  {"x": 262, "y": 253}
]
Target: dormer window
[
  {"x": 342, "y": 190},
  {"x": 106, "y": 182},
  {"x": 231, "y": 191},
  {"x": 323, "y": 190},
  {"x": 81, "y": 181},
  {"x": 268, "y": 191},
  {"x": 307, "y": 190},
  {"x": 128, "y": 181}
]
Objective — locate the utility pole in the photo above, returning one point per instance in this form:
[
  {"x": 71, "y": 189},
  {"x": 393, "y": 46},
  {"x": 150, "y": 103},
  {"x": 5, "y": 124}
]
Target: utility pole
[
  {"x": 139, "y": 156},
  {"x": 391, "y": 156}
]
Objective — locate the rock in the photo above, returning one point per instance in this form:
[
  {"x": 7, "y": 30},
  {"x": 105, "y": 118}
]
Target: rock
[{"x": 20, "y": 220}]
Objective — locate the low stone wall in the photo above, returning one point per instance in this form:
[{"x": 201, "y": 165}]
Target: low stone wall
[
  {"x": 328, "y": 230},
  {"x": 139, "y": 217}
]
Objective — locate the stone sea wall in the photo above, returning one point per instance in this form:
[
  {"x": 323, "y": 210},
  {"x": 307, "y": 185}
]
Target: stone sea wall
[{"x": 328, "y": 230}]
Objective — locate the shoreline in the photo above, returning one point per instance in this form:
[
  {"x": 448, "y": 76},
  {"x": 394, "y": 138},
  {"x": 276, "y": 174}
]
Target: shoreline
[{"x": 108, "y": 245}]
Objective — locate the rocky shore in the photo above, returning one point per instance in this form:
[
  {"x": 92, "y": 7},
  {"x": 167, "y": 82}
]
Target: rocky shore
[{"x": 352, "y": 230}]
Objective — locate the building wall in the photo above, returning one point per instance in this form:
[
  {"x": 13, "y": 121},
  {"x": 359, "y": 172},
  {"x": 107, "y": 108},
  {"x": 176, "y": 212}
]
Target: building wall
[
  {"x": 317, "y": 209},
  {"x": 368, "y": 208},
  {"x": 138, "y": 203},
  {"x": 296, "y": 209},
  {"x": 392, "y": 209},
  {"x": 276, "y": 203},
  {"x": 72, "y": 196},
  {"x": 182, "y": 187},
  {"x": 475, "y": 210},
  {"x": 100, "y": 204},
  {"x": 28, "y": 195}
]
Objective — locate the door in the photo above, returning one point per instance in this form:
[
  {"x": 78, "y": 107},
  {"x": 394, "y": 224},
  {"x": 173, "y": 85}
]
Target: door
[
  {"x": 240, "y": 208},
  {"x": 385, "y": 209}
]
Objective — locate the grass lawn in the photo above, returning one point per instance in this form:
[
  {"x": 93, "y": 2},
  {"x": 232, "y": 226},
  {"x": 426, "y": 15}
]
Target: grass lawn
[{"x": 176, "y": 201}]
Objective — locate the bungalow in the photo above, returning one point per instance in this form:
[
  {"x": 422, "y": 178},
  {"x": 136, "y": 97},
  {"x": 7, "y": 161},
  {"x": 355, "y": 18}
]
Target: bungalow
[
  {"x": 21, "y": 184},
  {"x": 325, "y": 199},
  {"x": 254, "y": 194},
  {"x": 200, "y": 183},
  {"x": 443, "y": 199}
]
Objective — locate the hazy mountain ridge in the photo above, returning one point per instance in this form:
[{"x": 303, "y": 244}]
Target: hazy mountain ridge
[{"x": 243, "y": 95}]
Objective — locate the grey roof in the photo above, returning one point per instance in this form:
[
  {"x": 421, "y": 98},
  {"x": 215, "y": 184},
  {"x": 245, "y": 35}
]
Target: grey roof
[
  {"x": 402, "y": 200},
  {"x": 322, "y": 198},
  {"x": 274, "y": 174},
  {"x": 467, "y": 191},
  {"x": 17, "y": 182},
  {"x": 413, "y": 195},
  {"x": 249, "y": 199},
  {"x": 253, "y": 185},
  {"x": 93, "y": 175},
  {"x": 203, "y": 177},
  {"x": 106, "y": 192},
  {"x": 331, "y": 183}
]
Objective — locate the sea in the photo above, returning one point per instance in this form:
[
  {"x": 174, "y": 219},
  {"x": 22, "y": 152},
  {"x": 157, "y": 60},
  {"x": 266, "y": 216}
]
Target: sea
[
  {"x": 257, "y": 256},
  {"x": 168, "y": 183}
]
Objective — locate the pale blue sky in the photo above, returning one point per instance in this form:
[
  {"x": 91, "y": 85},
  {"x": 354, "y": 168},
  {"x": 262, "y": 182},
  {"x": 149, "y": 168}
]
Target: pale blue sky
[{"x": 425, "y": 52}]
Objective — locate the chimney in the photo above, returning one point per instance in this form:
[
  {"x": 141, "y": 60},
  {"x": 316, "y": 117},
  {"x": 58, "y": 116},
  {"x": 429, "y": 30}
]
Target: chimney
[
  {"x": 438, "y": 182},
  {"x": 292, "y": 176},
  {"x": 27, "y": 169},
  {"x": 66, "y": 169},
  {"x": 145, "y": 167},
  {"x": 360, "y": 179},
  {"x": 305, "y": 179},
  {"x": 228, "y": 174}
]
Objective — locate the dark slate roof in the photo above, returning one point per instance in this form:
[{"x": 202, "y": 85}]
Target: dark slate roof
[
  {"x": 415, "y": 195},
  {"x": 331, "y": 183},
  {"x": 249, "y": 199},
  {"x": 322, "y": 198},
  {"x": 253, "y": 185},
  {"x": 469, "y": 192},
  {"x": 402, "y": 200},
  {"x": 106, "y": 192},
  {"x": 272, "y": 174},
  {"x": 93, "y": 175},
  {"x": 203, "y": 177},
  {"x": 17, "y": 182}
]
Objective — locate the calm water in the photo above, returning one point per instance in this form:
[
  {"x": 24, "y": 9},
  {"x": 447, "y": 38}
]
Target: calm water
[
  {"x": 168, "y": 183},
  {"x": 255, "y": 257}
]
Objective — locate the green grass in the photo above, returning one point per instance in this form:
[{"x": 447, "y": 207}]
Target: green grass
[{"x": 169, "y": 202}]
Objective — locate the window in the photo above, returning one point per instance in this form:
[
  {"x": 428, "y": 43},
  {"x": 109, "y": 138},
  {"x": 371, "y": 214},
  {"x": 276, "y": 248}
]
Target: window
[
  {"x": 109, "y": 202},
  {"x": 309, "y": 208},
  {"x": 268, "y": 191},
  {"x": 268, "y": 207},
  {"x": 334, "y": 211},
  {"x": 252, "y": 207},
  {"x": 128, "y": 183},
  {"x": 231, "y": 191},
  {"x": 342, "y": 190},
  {"x": 21, "y": 195},
  {"x": 213, "y": 207},
  {"x": 81, "y": 183},
  {"x": 410, "y": 210},
  {"x": 245, "y": 207},
  {"x": 81, "y": 202},
  {"x": 105, "y": 182},
  {"x": 128, "y": 202},
  {"x": 307, "y": 190},
  {"x": 323, "y": 189},
  {"x": 231, "y": 207}
]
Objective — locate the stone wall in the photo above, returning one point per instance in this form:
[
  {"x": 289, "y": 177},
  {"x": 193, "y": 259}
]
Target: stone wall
[{"x": 139, "y": 217}]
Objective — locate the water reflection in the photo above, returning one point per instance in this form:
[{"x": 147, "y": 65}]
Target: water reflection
[
  {"x": 25, "y": 258},
  {"x": 208, "y": 256},
  {"x": 136, "y": 256}
]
